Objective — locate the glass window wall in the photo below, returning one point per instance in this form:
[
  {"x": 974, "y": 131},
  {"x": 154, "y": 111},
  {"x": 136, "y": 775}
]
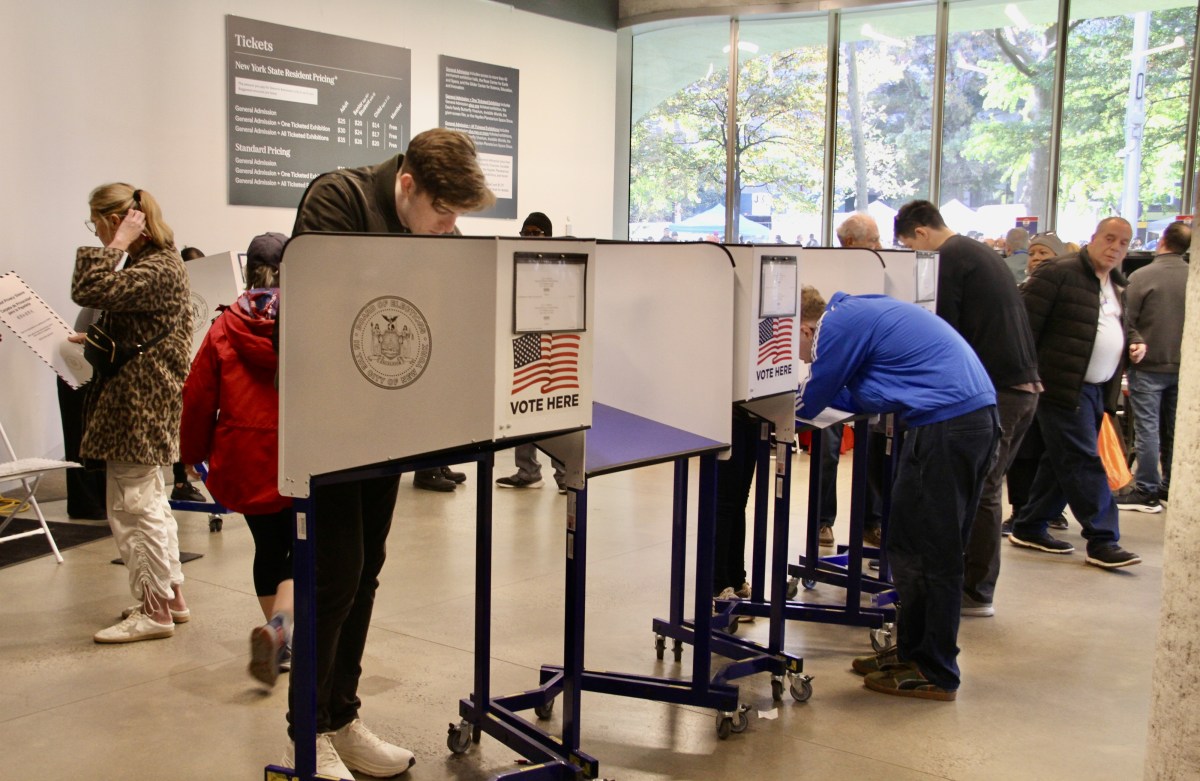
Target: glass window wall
[
  {"x": 998, "y": 103},
  {"x": 885, "y": 112},
  {"x": 1122, "y": 143},
  {"x": 677, "y": 134},
  {"x": 780, "y": 148},
  {"x": 1125, "y": 115}
]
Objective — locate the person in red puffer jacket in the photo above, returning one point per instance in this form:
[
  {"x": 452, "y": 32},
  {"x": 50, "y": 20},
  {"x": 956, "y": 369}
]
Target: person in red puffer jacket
[{"x": 231, "y": 420}]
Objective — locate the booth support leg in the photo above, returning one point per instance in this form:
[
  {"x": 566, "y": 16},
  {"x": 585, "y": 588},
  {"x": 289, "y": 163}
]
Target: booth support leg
[
  {"x": 483, "y": 592},
  {"x": 304, "y": 636},
  {"x": 573, "y": 628},
  {"x": 762, "y": 486},
  {"x": 705, "y": 535}
]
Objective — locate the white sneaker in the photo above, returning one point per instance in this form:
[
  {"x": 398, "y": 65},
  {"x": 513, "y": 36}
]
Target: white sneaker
[
  {"x": 178, "y": 616},
  {"x": 328, "y": 761},
  {"x": 361, "y": 749},
  {"x": 136, "y": 626}
]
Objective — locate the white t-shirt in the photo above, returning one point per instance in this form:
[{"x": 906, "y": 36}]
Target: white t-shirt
[{"x": 1110, "y": 337}]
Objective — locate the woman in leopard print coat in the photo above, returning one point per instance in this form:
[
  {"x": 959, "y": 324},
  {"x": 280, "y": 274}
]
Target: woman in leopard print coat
[{"x": 131, "y": 419}]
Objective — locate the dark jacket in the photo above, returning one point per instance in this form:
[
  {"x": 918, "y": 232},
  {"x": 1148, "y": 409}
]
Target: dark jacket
[
  {"x": 352, "y": 200},
  {"x": 1062, "y": 298},
  {"x": 976, "y": 296},
  {"x": 1155, "y": 304}
]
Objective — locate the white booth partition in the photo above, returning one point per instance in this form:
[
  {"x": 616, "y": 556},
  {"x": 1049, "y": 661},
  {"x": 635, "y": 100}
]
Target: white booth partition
[
  {"x": 397, "y": 346},
  {"x": 911, "y": 276}
]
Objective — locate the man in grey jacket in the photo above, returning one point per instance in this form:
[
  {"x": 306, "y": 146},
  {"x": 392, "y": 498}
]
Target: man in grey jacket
[{"x": 1154, "y": 311}]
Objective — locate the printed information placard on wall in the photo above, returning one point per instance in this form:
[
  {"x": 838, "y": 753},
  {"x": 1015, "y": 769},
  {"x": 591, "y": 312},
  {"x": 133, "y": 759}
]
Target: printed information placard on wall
[
  {"x": 482, "y": 101},
  {"x": 302, "y": 103}
]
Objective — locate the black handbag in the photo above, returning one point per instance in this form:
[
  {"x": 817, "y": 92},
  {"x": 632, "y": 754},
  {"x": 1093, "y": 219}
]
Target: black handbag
[{"x": 106, "y": 355}]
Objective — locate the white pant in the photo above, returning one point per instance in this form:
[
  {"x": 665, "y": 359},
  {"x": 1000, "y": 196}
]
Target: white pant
[{"x": 144, "y": 529}]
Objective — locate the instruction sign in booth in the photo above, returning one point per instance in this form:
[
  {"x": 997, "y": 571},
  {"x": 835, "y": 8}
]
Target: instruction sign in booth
[{"x": 393, "y": 347}]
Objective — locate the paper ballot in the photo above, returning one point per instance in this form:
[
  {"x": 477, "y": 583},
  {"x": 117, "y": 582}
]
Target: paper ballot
[{"x": 42, "y": 330}]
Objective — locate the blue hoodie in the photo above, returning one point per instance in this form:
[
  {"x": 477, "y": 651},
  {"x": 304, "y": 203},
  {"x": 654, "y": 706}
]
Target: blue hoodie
[{"x": 874, "y": 354}]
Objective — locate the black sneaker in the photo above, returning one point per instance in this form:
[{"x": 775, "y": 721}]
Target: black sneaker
[
  {"x": 455, "y": 477},
  {"x": 1006, "y": 527},
  {"x": 1043, "y": 542},
  {"x": 516, "y": 481},
  {"x": 1163, "y": 494},
  {"x": 1111, "y": 556},
  {"x": 1059, "y": 523},
  {"x": 1139, "y": 500},
  {"x": 186, "y": 492},
  {"x": 432, "y": 480}
]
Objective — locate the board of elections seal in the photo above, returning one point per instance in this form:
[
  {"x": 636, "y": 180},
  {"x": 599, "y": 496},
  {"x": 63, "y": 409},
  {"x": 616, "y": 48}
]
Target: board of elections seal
[
  {"x": 391, "y": 342},
  {"x": 200, "y": 309}
]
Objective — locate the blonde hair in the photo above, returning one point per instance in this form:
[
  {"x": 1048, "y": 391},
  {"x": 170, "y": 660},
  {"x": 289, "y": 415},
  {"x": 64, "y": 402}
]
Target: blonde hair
[
  {"x": 444, "y": 164},
  {"x": 118, "y": 198},
  {"x": 812, "y": 305}
]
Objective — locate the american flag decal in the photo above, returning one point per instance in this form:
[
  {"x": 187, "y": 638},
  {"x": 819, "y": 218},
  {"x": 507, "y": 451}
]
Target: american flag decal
[
  {"x": 551, "y": 360},
  {"x": 775, "y": 340}
]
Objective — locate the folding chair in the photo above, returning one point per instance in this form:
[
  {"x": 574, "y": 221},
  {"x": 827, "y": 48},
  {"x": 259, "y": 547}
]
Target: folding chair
[{"x": 28, "y": 472}]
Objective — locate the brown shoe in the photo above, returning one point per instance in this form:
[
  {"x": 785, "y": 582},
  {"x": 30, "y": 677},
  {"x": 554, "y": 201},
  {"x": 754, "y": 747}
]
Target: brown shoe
[
  {"x": 873, "y": 537},
  {"x": 907, "y": 682},
  {"x": 825, "y": 537},
  {"x": 884, "y": 660}
]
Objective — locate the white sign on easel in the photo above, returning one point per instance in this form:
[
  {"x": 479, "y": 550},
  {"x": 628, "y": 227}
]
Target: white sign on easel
[{"x": 42, "y": 330}]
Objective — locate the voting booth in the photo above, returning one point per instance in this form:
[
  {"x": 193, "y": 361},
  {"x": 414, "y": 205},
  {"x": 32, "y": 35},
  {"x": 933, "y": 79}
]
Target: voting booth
[
  {"x": 911, "y": 276},
  {"x": 379, "y": 331},
  {"x": 663, "y": 336},
  {"x": 401, "y": 352},
  {"x": 765, "y": 364}
]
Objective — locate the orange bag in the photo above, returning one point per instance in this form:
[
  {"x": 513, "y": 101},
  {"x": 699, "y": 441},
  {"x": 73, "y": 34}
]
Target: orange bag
[{"x": 1112, "y": 453}]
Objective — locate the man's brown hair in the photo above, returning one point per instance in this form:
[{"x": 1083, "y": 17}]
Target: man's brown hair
[
  {"x": 444, "y": 164},
  {"x": 812, "y": 305}
]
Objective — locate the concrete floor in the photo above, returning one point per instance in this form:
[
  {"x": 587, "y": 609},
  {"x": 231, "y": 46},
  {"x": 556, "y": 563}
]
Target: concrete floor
[{"x": 1056, "y": 686}]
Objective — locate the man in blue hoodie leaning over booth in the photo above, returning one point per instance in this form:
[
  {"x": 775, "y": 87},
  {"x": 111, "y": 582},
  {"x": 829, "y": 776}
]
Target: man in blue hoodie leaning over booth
[{"x": 873, "y": 354}]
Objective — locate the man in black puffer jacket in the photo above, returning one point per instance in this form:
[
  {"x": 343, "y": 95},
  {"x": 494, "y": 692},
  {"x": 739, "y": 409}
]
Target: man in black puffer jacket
[{"x": 1075, "y": 313}]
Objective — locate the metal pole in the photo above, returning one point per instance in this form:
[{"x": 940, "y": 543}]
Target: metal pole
[
  {"x": 833, "y": 45},
  {"x": 1135, "y": 121},
  {"x": 939, "y": 101},
  {"x": 1056, "y": 114},
  {"x": 1189, "y": 158},
  {"x": 732, "y": 175}
]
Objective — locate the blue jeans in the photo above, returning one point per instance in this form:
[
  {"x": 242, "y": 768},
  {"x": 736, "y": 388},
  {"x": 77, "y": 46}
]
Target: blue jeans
[
  {"x": 1153, "y": 397},
  {"x": 1071, "y": 473},
  {"x": 938, "y": 483}
]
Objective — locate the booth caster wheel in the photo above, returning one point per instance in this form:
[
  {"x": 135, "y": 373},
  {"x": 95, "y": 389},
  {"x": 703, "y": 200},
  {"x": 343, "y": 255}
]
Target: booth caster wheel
[
  {"x": 660, "y": 646},
  {"x": 732, "y": 722},
  {"x": 777, "y": 688},
  {"x": 458, "y": 737},
  {"x": 793, "y": 588},
  {"x": 543, "y": 712},
  {"x": 884, "y": 637},
  {"x": 801, "y": 688},
  {"x": 215, "y": 522},
  {"x": 677, "y": 651}
]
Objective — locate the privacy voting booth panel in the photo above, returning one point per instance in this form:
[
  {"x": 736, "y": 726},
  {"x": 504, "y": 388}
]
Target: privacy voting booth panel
[
  {"x": 664, "y": 333},
  {"x": 848, "y": 269},
  {"x": 766, "y": 325},
  {"x": 397, "y": 346},
  {"x": 911, "y": 276}
]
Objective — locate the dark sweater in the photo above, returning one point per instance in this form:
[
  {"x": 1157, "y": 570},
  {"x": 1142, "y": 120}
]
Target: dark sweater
[
  {"x": 1062, "y": 297},
  {"x": 1154, "y": 311},
  {"x": 976, "y": 296}
]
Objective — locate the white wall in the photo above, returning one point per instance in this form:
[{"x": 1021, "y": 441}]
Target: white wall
[{"x": 134, "y": 90}]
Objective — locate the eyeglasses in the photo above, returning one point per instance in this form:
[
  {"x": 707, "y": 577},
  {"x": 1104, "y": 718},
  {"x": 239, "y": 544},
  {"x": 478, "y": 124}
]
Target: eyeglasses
[
  {"x": 91, "y": 226},
  {"x": 533, "y": 231}
]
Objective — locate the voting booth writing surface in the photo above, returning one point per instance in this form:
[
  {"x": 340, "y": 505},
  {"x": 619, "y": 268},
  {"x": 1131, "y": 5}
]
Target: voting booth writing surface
[
  {"x": 397, "y": 346},
  {"x": 664, "y": 333}
]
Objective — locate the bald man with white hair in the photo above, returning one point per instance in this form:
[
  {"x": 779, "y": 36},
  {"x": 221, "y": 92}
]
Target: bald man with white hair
[{"x": 859, "y": 230}]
